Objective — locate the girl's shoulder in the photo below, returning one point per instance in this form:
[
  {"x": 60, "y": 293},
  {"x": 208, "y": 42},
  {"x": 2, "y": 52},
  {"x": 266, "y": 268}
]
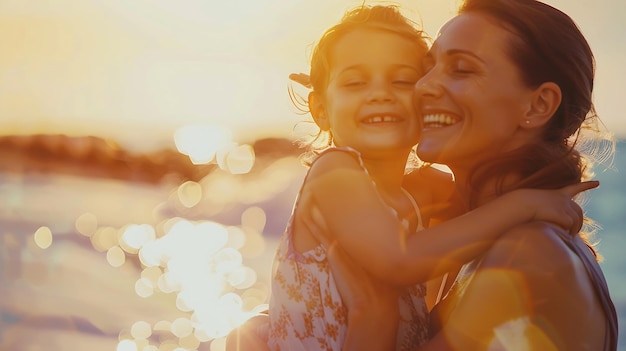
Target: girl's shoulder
[{"x": 336, "y": 158}]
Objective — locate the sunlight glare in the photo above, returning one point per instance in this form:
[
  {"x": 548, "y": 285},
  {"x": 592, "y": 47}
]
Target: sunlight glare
[
  {"x": 162, "y": 326},
  {"x": 168, "y": 345},
  {"x": 201, "y": 141},
  {"x": 237, "y": 160},
  {"x": 242, "y": 277},
  {"x": 152, "y": 274},
  {"x": 236, "y": 237},
  {"x": 255, "y": 244},
  {"x": 218, "y": 344},
  {"x": 144, "y": 287},
  {"x": 254, "y": 217},
  {"x": 254, "y": 297},
  {"x": 218, "y": 318},
  {"x": 227, "y": 260},
  {"x": 141, "y": 330},
  {"x": 126, "y": 345},
  {"x": 181, "y": 327},
  {"x": 104, "y": 238},
  {"x": 189, "y": 342},
  {"x": 201, "y": 263},
  {"x": 167, "y": 283},
  {"x": 149, "y": 254},
  {"x": 134, "y": 236}
]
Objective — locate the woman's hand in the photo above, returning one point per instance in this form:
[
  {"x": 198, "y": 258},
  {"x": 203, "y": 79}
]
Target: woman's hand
[
  {"x": 251, "y": 336},
  {"x": 372, "y": 306}
]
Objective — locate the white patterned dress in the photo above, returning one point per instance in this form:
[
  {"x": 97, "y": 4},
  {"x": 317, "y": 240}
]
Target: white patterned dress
[{"x": 306, "y": 311}]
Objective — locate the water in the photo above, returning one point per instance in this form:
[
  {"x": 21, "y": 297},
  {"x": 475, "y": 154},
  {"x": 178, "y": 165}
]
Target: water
[{"x": 76, "y": 294}]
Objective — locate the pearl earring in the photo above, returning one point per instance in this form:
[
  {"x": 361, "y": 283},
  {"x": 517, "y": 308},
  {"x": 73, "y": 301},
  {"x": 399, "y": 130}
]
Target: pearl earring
[{"x": 527, "y": 122}]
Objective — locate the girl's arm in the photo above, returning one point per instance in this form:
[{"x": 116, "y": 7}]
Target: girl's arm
[{"x": 340, "y": 194}]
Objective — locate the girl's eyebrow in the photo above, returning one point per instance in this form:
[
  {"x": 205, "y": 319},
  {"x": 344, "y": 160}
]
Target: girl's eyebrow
[{"x": 360, "y": 66}]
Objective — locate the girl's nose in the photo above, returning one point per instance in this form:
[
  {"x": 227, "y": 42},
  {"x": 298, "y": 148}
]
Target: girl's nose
[{"x": 381, "y": 92}]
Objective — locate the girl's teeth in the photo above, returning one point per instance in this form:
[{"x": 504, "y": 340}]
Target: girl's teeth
[{"x": 379, "y": 119}]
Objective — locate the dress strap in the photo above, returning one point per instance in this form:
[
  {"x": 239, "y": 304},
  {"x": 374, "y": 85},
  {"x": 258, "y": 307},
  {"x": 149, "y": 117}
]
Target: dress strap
[
  {"x": 420, "y": 223},
  {"x": 588, "y": 259}
]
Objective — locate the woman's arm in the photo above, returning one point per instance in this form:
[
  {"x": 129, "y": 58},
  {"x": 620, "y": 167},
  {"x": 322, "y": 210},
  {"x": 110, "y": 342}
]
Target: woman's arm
[
  {"x": 357, "y": 217},
  {"x": 373, "y": 314}
]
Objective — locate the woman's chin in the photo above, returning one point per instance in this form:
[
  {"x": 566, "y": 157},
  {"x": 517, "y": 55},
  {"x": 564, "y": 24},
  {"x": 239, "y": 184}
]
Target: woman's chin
[{"x": 428, "y": 152}]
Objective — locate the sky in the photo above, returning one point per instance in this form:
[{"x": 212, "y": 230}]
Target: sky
[{"x": 137, "y": 70}]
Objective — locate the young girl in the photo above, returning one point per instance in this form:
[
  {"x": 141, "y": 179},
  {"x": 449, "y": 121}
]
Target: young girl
[{"x": 363, "y": 73}]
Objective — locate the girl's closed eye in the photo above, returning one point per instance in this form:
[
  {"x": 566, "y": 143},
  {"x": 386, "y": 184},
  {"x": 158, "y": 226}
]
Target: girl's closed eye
[
  {"x": 354, "y": 83},
  {"x": 405, "y": 81}
]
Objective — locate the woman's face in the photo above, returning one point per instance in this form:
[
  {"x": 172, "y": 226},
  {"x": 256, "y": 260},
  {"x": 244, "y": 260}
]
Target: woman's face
[{"x": 471, "y": 98}]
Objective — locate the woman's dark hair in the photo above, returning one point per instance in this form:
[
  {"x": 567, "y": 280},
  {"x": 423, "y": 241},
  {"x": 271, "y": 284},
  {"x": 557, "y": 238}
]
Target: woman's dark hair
[{"x": 547, "y": 46}]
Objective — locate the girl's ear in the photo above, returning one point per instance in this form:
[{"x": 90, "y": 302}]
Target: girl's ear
[
  {"x": 318, "y": 111},
  {"x": 545, "y": 101}
]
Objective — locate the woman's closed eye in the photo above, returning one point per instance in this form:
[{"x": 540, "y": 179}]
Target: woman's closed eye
[{"x": 462, "y": 68}]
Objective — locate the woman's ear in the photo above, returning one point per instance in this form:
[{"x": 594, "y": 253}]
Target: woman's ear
[
  {"x": 318, "y": 111},
  {"x": 545, "y": 101}
]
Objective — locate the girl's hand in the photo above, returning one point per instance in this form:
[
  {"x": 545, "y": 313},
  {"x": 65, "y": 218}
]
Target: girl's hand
[{"x": 558, "y": 206}]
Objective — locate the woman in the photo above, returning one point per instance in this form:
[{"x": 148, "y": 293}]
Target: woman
[{"x": 506, "y": 103}]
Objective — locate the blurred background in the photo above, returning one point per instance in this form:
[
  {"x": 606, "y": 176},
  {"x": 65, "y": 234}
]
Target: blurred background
[{"x": 148, "y": 163}]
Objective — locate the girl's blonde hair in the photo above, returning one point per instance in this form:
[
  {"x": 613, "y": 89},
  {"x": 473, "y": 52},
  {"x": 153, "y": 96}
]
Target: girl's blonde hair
[{"x": 382, "y": 17}]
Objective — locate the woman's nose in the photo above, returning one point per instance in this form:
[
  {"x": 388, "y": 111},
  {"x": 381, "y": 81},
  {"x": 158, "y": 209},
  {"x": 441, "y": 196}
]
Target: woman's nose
[{"x": 429, "y": 85}]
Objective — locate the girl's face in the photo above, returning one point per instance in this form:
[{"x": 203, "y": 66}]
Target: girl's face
[
  {"x": 369, "y": 102},
  {"x": 471, "y": 98}
]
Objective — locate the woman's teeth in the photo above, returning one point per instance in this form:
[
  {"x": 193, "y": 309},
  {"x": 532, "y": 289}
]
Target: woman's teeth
[{"x": 438, "y": 120}]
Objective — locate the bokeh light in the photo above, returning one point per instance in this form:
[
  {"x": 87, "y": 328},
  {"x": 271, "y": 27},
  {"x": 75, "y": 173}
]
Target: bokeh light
[
  {"x": 141, "y": 330},
  {"x": 237, "y": 160},
  {"x": 43, "y": 237},
  {"x": 86, "y": 224},
  {"x": 116, "y": 256},
  {"x": 189, "y": 193}
]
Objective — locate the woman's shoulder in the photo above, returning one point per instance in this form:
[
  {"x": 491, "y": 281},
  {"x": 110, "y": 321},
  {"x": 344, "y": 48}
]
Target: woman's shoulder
[
  {"x": 534, "y": 265},
  {"x": 538, "y": 247}
]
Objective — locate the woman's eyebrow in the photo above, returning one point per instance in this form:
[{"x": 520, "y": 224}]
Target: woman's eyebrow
[{"x": 453, "y": 52}]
